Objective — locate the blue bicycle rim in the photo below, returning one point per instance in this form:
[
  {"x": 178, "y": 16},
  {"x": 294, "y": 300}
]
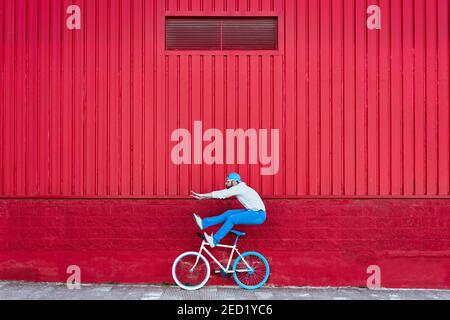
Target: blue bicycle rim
[{"x": 266, "y": 263}]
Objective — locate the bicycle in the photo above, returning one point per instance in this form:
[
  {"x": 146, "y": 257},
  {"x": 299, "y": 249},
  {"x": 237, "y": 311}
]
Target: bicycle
[{"x": 250, "y": 269}]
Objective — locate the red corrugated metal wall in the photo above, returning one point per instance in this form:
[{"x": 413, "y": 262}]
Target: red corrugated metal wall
[{"x": 89, "y": 112}]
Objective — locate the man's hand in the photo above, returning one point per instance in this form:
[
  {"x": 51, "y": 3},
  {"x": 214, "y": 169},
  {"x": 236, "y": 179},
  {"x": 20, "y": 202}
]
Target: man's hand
[
  {"x": 201, "y": 196},
  {"x": 197, "y": 196}
]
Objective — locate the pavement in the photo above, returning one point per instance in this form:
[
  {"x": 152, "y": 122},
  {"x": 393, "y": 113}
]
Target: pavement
[{"x": 59, "y": 291}]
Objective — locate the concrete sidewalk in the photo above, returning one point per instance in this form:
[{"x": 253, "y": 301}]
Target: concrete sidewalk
[{"x": 58, "y": 291}]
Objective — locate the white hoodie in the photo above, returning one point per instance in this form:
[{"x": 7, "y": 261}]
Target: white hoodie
[{"x": 248, "y": 197}]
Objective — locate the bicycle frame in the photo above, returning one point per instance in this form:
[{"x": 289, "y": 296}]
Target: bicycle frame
[{"x": 226, "y": 270}]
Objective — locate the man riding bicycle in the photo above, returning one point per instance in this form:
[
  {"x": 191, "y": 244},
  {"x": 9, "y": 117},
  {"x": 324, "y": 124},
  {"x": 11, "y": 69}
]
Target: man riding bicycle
[{"x": 254, "y": 212}]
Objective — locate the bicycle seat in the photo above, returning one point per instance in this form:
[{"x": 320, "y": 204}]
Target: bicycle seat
[{"x": 238, "y": 233}]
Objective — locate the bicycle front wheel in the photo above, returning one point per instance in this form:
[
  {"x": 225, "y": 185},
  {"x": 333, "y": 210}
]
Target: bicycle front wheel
[
  {"x": 190, "y": 270},
  {"x": 253, "y": 277}
]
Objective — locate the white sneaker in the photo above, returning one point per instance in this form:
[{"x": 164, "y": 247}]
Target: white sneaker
[
  {"x": 210, "y": 239},
  {"x": 198, "y": 220}
]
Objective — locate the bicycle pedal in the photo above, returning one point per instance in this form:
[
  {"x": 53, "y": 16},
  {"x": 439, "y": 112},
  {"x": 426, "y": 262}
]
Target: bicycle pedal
[{"x": 224, "y": 274}]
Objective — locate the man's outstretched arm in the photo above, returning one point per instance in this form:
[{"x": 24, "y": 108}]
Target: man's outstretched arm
[
  {"x": 201, "y": 196},
  {"x": 219, "y": 194}
]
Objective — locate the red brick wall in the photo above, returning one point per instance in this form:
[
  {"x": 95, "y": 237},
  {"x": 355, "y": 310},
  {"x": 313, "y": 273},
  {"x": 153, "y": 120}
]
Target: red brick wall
[{"x": 320, "y": 242}]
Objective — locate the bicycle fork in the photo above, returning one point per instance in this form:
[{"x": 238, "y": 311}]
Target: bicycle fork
[{"x": 198, "y": 257}]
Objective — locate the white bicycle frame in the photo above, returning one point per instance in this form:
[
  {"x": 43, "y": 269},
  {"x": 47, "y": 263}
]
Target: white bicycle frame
[{"x": 226, "y": 270}]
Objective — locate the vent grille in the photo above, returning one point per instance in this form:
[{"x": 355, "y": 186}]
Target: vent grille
[{"x": 221, "y": 33}]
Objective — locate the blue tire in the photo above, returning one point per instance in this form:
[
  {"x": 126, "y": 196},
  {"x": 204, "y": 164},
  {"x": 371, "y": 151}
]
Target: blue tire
[{"x": 254, "y": 279}]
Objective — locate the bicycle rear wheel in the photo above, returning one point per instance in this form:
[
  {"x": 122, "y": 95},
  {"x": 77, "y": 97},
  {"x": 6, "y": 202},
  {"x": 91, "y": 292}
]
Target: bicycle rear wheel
[
  {"x": 255, "y": 277},
  {"x": 191, "y": 270}
]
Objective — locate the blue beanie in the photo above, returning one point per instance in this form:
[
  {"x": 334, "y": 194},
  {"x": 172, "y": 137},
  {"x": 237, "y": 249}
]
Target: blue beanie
[{"x": 234, "y": 176}]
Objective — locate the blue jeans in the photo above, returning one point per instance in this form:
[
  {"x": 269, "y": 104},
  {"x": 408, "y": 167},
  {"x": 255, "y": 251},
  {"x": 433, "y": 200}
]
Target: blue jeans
[{"x": 232, "y": 217}]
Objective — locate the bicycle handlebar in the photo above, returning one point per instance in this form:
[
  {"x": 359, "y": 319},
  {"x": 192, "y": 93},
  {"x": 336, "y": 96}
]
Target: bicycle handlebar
[{"x": 201, "y": 236}]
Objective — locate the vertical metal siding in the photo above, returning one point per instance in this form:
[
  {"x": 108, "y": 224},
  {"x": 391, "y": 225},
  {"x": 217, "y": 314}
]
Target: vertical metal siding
[{"x": 90, "y": 112}]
